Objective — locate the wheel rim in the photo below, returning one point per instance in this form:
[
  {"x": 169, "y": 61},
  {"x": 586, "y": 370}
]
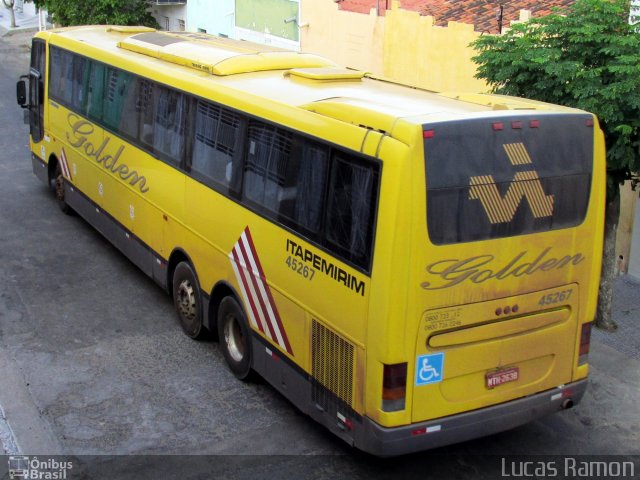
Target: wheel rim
[
  {"x": 187, "y": 301},
  {"x": 234, "y": 338},
  {"x": 60, "y": 188}
]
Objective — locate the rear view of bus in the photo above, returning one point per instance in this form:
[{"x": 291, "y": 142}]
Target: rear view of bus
[{"x": 506, "y": 247}]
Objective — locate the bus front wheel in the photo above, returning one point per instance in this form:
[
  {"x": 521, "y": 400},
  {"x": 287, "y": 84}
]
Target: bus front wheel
[
  {"x": 235, "y": 338},
  {"x": 58, "y": 188},
  {"x": 188, "y": 300}
]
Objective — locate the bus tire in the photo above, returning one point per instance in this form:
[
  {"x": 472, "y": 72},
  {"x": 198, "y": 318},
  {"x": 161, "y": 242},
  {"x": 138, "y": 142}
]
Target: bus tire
[
  {"x": 58, "y": 190},
  {"x": 187, "y": 300},
  {"x": 235, "y": 338}
]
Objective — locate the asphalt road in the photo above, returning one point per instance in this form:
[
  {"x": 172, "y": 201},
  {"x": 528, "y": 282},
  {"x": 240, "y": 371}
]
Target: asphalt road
[{"x": 93, "y": 362}]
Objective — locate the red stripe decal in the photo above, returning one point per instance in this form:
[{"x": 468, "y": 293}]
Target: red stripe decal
[
  {"x": 256, "y": 287},
  {"x": 257, "y": 292},
  {"x": 64, "y": 164},
  {"x": 268, "y": 290},
  {"x": 245, "y": 286}
]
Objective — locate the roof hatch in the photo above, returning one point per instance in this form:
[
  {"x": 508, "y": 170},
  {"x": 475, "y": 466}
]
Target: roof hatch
[
  {"x": 327, "y": 74},
  {"x": 219, "y": 56}
]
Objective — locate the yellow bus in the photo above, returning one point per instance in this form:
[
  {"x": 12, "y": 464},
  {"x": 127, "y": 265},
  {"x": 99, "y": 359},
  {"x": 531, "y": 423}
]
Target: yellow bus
[{"x": 409, "y": 268}]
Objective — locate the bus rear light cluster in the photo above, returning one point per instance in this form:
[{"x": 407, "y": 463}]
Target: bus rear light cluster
[
  {"x": 428, "y": 134},
  {"x": 394, "y": 387},
  {"x": 515, "y": 125},
  {"x": 585, "y": 343}
]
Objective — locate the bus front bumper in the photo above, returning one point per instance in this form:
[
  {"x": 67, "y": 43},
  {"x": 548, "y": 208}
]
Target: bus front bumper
[{"x": 385, "y": 442}]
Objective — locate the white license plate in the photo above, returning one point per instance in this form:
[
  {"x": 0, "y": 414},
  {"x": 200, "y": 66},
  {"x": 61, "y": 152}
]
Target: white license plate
[{"x": 500, "y": 377}]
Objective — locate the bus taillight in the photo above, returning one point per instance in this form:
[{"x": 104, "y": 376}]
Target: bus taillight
[
  {"x": 585, "y": 343},
  {"x": 394, "y": 387}
]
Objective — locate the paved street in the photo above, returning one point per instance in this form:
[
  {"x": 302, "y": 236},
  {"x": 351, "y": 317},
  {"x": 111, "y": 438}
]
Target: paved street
[{"x": 93, "y": 361}]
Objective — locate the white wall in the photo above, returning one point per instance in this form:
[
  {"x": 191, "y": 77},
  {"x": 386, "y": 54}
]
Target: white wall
[
  {"x": 634, "y": 256},
  {"x": 173, "y": 12},
  {"x": 213, "y": 16}
]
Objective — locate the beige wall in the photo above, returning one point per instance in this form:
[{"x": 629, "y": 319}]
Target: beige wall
[
  {"x": 628, "y": 200},
  {"x": 420, "y": 53},
  {"x": 350, "y": 39},
  {"x": 402, "y": 46}
]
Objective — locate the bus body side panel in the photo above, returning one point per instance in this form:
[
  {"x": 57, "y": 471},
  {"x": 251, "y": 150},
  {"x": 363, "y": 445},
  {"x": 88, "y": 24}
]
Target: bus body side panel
[{"x": 386, "y": 336}]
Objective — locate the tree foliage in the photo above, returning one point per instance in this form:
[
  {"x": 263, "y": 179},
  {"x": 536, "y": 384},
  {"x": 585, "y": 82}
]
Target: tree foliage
[
  {"x": 99, "y": 12},
  {"x": 586, "y": 56}
]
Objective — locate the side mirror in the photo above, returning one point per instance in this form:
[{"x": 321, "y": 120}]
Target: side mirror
[{"x": 21, "y": 92}]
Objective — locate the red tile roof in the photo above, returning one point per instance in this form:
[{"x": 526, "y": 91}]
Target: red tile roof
[{"x": 481, "y": 13}]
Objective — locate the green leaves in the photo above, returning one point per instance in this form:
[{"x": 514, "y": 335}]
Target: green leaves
[
  {"x": 100, "y": 12},
  {"x": 588, "y": 58}
]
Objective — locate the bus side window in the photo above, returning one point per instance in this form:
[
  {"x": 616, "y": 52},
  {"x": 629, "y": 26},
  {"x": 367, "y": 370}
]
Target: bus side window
[
  {"x": 95, "y": 92},
  {"x": 169, "y": 124},
  {"x": 268, "y": 156},
  {"x": 145, "y": 109},
  {"x": 79, "y": 82},
  {"x": 351, "y": 208},
  {"x": 61, "y": 73},
  {"x": 305, "y": 186},
  {"x": 216, "y": 143},
  {"x": 116, "y": 93}
]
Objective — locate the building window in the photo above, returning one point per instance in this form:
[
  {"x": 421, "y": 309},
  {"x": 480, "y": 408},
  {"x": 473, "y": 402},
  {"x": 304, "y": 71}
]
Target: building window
[
  {"x": 181, "y": 25},
  {"x": 166, "y": 23}
]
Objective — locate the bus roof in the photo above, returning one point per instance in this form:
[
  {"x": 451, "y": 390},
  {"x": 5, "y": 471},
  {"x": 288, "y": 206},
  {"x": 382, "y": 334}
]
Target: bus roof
[{"x": 287, "y": 78}]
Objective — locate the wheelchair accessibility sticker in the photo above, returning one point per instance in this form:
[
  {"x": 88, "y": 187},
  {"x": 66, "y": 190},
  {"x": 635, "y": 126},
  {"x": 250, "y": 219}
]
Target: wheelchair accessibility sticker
[{"x": 429, "y": 369}]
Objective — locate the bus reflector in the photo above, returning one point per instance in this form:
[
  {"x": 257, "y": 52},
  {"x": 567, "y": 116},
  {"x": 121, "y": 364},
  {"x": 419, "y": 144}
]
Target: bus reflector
[
  {"x": 534, "y": 123},
  {"x": 394, "y": 387},
  {"x": 585, "y": 343},
  {"x": 428, "y": 133},
  {"x": 516, "y": 125},
  {"x": 589, "y": 122},
  {"x": 497, "y": 126}
]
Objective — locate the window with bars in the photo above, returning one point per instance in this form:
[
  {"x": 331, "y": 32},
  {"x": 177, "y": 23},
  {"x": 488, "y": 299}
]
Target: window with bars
[
  {"x": 216, "y": 140},
  {"x": 351, "y": 208},
  {"x": 268, "y": 156},
  {"x": 169, "y": 123}
]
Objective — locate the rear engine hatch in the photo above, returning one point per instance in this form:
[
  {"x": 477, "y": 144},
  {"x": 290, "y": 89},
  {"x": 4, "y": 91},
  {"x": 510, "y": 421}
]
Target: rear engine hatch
[{"x": 475, "y": 355}]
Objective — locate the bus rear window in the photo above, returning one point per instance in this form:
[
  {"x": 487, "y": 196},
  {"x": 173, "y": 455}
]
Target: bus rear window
[{"x": 495, "y": 178}]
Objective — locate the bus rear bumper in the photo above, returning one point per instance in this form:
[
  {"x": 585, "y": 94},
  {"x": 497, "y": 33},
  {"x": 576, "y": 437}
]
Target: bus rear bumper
[{"x": 385, "y": 442}]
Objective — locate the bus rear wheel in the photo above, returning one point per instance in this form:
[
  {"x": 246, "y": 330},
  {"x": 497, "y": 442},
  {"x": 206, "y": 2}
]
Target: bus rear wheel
[
  {"x": 58, "y": 188},
  {"x": 235, "y": 338},
  {"x": 187, "y": 300}
]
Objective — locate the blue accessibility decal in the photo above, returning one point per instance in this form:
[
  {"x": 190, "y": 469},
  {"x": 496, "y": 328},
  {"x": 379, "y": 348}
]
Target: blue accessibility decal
[{"x": 429, "y": 368}]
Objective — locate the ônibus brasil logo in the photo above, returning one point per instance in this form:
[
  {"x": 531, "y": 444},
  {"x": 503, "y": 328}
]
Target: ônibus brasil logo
[{"x": 22, "y": 467}]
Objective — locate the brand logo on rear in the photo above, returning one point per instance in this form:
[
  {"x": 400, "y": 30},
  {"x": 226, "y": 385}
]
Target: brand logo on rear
[
  {"x": 481, "y": 268},
  {"x": 527, "y": 184}
]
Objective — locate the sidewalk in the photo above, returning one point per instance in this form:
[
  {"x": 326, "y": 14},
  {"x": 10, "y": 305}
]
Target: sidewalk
[
  {"x": 26, "y": 21},
  {"x": 626, "y": 313}
]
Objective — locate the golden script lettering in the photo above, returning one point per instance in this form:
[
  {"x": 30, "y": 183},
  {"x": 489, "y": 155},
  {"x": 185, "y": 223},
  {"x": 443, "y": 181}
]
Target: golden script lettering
[
  {"x": 479, "y": 269},
  {"x": 81, "y": 129}
]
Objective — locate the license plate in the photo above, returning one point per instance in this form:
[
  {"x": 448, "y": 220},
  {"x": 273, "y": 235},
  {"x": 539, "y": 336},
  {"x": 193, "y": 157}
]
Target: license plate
[{"x": 502, "y": 376}]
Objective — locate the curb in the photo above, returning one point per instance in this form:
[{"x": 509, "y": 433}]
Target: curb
[{"x": 9, "y": 32}]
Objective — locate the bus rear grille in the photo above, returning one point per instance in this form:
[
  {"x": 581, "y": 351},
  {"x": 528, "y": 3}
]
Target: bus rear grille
[{"x": 333, "y": 364}]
